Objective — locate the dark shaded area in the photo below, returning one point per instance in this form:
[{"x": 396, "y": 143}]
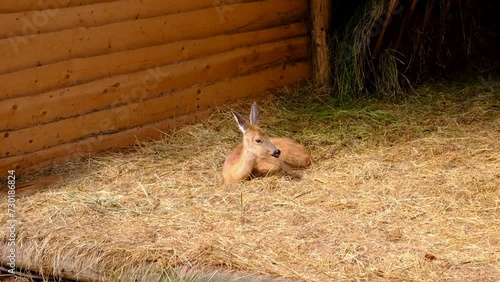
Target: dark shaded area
[{"x": 422, "y": 39}]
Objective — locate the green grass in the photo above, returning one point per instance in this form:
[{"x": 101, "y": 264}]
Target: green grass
[{"x": 413, "y": 116}]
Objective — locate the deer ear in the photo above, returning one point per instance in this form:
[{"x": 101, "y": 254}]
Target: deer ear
[
  {"x": 242, "y": 124},
  {"x": 254, "y": 114}
]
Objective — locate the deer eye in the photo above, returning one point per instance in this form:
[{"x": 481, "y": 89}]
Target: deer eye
[{"x": 258, "y": 141}]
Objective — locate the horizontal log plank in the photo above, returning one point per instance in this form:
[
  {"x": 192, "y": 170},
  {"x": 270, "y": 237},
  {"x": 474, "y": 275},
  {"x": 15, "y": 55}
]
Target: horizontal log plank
[
  {"x": 100, "y": 94},
  {"x": 157, "y": 109},
  {"x": 24, "y": 52},
  {"x": 90, "y": 146},
  {"x": 142, "y": 112},
  {"x": 81, "y": 70},
  {"x": 85, "y": 269},
  {"x": 42, "y": 21},
  {"x": 31, "y": 5}
]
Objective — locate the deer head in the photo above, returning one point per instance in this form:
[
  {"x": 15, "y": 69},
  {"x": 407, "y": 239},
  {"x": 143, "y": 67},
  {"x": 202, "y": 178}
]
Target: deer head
[{"x": 255, "y": 141}]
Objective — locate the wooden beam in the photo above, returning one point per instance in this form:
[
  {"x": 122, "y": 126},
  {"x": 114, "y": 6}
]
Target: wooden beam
[
  {"x": 320, "y": 19},
  {"x": 33, "y": 5},
  {"x": 25, "y": 260},
  {"x": 94, "y": 145},
  {"x": 158, "y": 111},
  {"x": 42, "y": 20},
  {"x": 88, "y": 270},
  {"x": 76, "y": 71},
  {"x": 380, "y": 39},
  {"x": 23, "y": 52},
  {"x": 26, "y": 112},
  {"x": 141, "y": 112}
]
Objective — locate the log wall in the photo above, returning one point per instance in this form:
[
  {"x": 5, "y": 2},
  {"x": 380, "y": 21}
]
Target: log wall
[{"x": 82, "y": 76}]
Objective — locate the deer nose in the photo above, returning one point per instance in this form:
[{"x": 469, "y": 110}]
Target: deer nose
[{"x": 276, "y": 153}]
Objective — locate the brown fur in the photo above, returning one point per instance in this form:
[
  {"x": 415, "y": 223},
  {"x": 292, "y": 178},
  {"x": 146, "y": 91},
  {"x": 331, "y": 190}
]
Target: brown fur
[{"x": 253, "y": 158}]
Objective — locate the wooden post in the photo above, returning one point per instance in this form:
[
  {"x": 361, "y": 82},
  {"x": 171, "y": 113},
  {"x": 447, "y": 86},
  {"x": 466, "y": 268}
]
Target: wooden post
[{"x": 320, "y": 18}]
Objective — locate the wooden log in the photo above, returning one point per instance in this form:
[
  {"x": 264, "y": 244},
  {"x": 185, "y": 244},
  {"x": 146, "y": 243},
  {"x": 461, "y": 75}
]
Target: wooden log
[
  {"x": 320, "y": 16},
  {"x": 26, "y": 260},
  {"x": 36, "y": 184},
  {"x": 93, "y": 145},
  {"x": 387, "y": 20},
  {"x": 87, "y": 269},
  {"x": 143, "y": 119},
  {"x": 100, "y": 94},
  {"x": 42, "y": 21},
  {"x": 24, "y": 52},
  {"x": 134, "y": 114},
  {"x": 31, "y": 5},
  {"x": 80, "y": 70}
]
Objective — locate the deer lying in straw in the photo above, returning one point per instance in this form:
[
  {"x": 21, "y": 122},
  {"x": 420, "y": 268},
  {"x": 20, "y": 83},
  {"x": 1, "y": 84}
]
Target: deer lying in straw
[{"x": 261, "y": 155}]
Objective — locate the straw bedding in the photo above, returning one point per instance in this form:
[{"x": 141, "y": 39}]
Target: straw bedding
[{"x": 401, "y": 192}]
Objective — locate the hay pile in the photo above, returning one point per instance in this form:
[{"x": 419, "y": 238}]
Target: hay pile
[
  {"x": 379, "y": 46},
  {"x": 400, "y": 192}
]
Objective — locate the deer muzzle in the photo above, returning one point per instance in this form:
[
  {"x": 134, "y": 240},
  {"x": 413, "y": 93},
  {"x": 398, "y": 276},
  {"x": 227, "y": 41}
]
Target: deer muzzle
[{"x": 276, "y": 153}]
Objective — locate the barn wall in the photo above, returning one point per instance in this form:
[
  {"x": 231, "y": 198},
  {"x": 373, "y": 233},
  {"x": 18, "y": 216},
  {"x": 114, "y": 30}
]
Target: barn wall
[{"x": 80, "y": 76}]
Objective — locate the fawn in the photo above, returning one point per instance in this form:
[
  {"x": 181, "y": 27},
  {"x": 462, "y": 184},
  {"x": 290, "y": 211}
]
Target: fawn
[{"x": 261, "y": 155}]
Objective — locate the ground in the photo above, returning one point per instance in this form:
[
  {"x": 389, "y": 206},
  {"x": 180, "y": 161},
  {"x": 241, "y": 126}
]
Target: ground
[{"x": 399, "y": 191}]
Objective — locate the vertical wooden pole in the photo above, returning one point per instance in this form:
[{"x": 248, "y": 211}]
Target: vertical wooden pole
[{"x": 320, "y": 19}]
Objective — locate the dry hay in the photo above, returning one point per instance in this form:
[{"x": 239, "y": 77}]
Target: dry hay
[
  {"x": 400, "y": 192},
  {"x": 383, "y": 46}
]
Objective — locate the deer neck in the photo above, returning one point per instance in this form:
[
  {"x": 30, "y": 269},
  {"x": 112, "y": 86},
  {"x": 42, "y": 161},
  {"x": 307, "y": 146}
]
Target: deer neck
[{"x": 247, "y": 159}]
